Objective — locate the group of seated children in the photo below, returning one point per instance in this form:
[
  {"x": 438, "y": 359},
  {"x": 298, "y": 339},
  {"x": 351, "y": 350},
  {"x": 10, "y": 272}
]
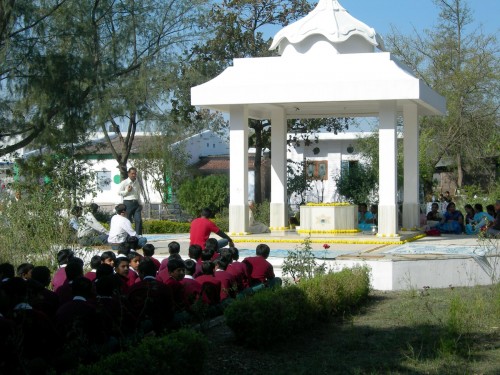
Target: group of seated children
[
  {"x": 124, "y": 296},
  {"x": 475, "y": 220}
]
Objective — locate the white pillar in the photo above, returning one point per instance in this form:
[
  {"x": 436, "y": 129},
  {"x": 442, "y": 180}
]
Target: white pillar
[
  {"x": 387, "y": 209},
  {"x": 238, "y": 169},
  {"x": 411, "y": 211},
  {"x": 278, "y": 209}
]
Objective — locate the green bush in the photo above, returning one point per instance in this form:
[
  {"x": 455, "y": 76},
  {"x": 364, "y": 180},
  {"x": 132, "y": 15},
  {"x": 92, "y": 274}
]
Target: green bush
[
  {"x": 269, "y": 316},
  {"x": 204, "y": 192},
  {"x": 164, "y": 226},
  {"x": 337, "y": 293},
  {"x": 171, "y": 354}
]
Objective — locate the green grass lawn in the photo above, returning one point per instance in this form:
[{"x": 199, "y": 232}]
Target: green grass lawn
[{"x": 445, "y": 331}]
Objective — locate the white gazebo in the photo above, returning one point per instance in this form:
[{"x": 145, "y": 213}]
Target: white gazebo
[{"x": 329, "y": 66}]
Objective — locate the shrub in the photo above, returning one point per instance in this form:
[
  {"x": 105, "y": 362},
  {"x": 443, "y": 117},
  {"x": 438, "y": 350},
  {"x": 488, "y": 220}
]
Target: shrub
[
  {"x": 172, "y": 354},
  {"x": 211, "y": 192},
  {"x": 164, "y": 226},
  {"x": 301, "y": 263},
  {"x": 337, "y": 293},
  {"x": 269, "y": 316}
]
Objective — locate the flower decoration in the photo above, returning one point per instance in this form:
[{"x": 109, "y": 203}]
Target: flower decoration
[{"x": 326, "y": 246}]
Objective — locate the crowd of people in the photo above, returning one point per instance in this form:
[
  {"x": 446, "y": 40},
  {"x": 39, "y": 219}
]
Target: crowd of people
[
  {"x": 125, "y": 294},
  {"x": 474, "y": 221}
]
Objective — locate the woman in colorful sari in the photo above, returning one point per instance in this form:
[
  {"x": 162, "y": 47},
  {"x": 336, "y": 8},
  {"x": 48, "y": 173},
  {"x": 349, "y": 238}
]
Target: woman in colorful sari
[
  {"x": 452, "y": 222},
  {"x": 481, "y": 219}
]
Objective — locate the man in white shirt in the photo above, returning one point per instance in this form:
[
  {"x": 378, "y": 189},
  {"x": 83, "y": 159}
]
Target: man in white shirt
[
  {"x": 90, "y": 232},
  {"x": 130, "y": 191},
  {"x": 121, "y": 229}
]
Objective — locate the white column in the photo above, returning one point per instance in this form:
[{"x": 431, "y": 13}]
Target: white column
[
  {"x": 279, "y": 212},
  {"x": 387, "y": 209},
  {"x": 411, "y": 211},
  {"x": 238, "y": 169}
]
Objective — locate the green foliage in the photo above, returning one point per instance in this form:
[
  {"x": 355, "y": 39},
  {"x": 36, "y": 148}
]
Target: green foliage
[
  {"x": 337, "y": 293},
  {"x": 269, "y": 316},
  {"x": 297, "y": 181},
  {"x": 462, "y": 64},
  {"x": 165, "y": 226},
  {"x": 301, "y": 264},
  {"x": 204, "y": 192},
  {"x": 172, "y": 354},
  {"x": 356, "y": 183},
  {"x": 34, "y": 228},
  {"x": 222, "y": 220},
  {"x": 262, "y": 212}
]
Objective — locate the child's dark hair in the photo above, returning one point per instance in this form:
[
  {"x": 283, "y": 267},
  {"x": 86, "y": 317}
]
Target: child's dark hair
[
  {"x": 24, "y": 268},
  {"x": 174, "y": 247},
  {"x": 120, "y": 260},
  {"x": 146, "y": 268},
  {"x": 148, "y": 250},
  {"x": 108, "y": 255},
  {"x": 95, "y": 261},
  {"x": 124, "y": 248},
  {"x": 262, "y": 250},
  {"x": 206, "y": 255},
  {"x": 41, "y": 274},
  {"x": 235, "y": 253},
  {"x": 174, "y": 264},
  {"x": 134, "y": 254},
  {"x": 190, "y": 266},
  {"x": 64, "y": 256},
  {"x": 221, "y": 264},
  {"x": 207, "y": 268},
  {"x": 74, "y": 269},
  {"x": 103, "y": 270},
  {"x": 212, "y": 245},
  {"x": 194, "y": 252},
  {"x": 226, "y": 254}
]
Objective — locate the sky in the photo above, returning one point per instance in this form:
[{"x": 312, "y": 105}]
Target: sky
[{"x": 407, "y": 15}]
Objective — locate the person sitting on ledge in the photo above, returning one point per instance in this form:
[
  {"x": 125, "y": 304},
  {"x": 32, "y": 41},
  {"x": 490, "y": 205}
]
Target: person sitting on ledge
[
  {"x": 494, "y": 227},
  {"x": 434, "y": 217},
  {"x": 480, "y": 220},
  {"x": 365, "y": 218},
  {"x": 260, "y": 271},
  {"x": 452, "y": 222}
]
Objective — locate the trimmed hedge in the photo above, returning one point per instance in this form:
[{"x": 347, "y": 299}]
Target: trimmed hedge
[
  {"x": 165, "y": 226},
  {"x": 172, "y": 354},
  {"x": 271, "y": 315}
]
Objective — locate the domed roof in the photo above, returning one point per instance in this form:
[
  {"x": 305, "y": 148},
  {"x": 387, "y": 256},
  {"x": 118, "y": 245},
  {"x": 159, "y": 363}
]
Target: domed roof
[{"x": 330, "y": 20}]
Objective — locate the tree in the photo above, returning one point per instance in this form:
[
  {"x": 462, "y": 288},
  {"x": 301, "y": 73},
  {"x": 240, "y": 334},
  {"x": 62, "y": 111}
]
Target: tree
[
  {"x": 236, "y": 33},
  {"x": 166, "y": 165},
  {"x": 463, "y": 65},
  {"x": 43, "y": 85},
  {"x": 356, "y": 183},
  {"x": 211, "y": 192}
]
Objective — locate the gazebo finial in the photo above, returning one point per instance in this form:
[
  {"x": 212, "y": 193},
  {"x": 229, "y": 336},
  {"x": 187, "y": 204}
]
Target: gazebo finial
[{"x": 328, "y": 20}]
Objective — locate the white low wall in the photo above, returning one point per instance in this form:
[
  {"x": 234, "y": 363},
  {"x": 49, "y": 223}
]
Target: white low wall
[
  {"x": 415, "y": 274},
  {"x": 328, "y": 218}
]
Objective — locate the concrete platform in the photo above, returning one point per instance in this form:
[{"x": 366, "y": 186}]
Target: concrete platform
[{"x": 409, "y": 261}]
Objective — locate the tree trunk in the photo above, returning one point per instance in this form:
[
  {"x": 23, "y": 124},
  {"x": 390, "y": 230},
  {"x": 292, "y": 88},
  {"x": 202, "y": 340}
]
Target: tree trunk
[
  {"x": 460, "y": 172},
  {"x": 258, "y": 164}
]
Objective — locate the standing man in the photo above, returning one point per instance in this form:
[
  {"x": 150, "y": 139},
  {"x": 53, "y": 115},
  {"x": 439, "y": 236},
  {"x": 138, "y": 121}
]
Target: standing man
[{"x": 130, "y": 191}]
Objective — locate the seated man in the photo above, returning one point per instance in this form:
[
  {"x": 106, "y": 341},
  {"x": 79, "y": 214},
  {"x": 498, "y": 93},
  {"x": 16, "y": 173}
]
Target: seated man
[
  {"x": 90, "y": 232},
  {"x": 260, "y": 271},
  {"x": 202, "y": 227},
  {"x": 434, "y": 217},
  {"x": 121, "y": 229}
]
